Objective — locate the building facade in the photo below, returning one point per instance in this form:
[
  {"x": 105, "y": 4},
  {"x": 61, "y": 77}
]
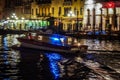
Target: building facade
[
  {"x": 101, "y": 15},
  {"x": 68, "y": 14}
]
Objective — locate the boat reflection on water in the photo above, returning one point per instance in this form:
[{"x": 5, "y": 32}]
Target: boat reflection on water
[
  {"x": 5, "y": 43},
  {"x": 30, "y": 65},
  {"x": 37, "y": 65}
]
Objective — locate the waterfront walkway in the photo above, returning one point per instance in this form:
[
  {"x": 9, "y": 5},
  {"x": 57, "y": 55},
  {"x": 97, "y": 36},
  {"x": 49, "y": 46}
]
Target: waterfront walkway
[{"x": 82, "y": 34}]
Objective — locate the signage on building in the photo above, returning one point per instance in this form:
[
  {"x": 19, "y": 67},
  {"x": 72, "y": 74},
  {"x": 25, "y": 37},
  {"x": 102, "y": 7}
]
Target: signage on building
[{"x": 110, "y": 4}]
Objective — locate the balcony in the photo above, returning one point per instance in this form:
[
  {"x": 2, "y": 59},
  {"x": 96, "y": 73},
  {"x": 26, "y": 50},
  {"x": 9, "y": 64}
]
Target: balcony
[
  {"x": 43, "y": 15},
  {"x": 67, "y": 3}
]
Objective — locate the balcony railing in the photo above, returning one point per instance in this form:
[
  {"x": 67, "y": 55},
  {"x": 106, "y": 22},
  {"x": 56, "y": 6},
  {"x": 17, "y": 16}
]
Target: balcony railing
[
  {"x": 68, "y": 3},
  {"x": 43, "y": 15}
]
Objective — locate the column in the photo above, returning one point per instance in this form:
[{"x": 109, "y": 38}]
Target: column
[
  {"x": 77, "y": 21},
  {"x": 107, "y": 19},
  {"x": 94, "y": 20},
  {"x": 114, "y": 21},
  {"x": 88, "y": 17},
  {"x": 101, "y": 20},
  {"x": 119, "y": 23}
]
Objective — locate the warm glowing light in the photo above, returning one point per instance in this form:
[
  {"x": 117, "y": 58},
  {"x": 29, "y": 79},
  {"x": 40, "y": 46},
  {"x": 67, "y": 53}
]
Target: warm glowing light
[
  {"x": 40, "y": 37},
  {"x": 89, "y": 7},
  {"x": 89, "y": 2},
  {"x": 71, "y": 14},
  {"x": 16, "y": 18},
  {"x": 75, "y": 41},
  {"x": 78, "y": 44},
  {"x": 22, "y": 18},
  {"x": 8, "y": 18},
  {"x": 111, "y": 11},
  {"x": 99, "y": 5},
  {"x": 13, "y": 14}
]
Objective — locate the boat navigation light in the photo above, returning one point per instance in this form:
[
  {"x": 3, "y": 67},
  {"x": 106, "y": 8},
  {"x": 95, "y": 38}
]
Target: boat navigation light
[
  {"x": 40, "y": 37},
  {"x": 78, "y": 44},
  {"x": 62, "y": 39},
  {"x": 75, "y": 41}
]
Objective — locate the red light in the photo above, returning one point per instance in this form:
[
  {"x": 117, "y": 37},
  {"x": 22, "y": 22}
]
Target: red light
[{"x": 110, "y": 5}]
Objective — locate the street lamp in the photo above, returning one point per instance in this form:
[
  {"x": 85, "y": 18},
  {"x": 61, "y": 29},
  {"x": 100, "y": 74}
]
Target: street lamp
[
  {"x": 14, "y": 20},
  {"x": 101, "y": 22},
  {"x": 70, "y": 14},
  {"x": 8, "y": 18},
  {"x": 22, "y": 18},
  {"x": 13, "y": 16},
  {"x": 94, "y": 21},
  {"x": 77, "y": 21}
]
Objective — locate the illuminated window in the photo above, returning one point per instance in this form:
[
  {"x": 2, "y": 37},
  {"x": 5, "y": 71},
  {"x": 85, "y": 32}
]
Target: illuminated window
[{"x": 67, "y": 10}]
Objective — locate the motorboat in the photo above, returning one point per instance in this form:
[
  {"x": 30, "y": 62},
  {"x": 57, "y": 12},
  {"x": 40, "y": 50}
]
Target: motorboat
[{"x": 51, "y": 42}]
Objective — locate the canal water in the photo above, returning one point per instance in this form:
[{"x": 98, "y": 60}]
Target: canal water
[{"x": 28, "y": 64}]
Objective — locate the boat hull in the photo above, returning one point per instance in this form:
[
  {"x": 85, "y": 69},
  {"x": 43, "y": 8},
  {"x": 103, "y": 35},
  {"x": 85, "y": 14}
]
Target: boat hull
[
  {"x": 44, "y": 46},
  {"x": 34, "y": 44}
]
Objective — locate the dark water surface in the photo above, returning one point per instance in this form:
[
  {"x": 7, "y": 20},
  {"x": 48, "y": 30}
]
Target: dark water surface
[{"x": 28, "y": 64}]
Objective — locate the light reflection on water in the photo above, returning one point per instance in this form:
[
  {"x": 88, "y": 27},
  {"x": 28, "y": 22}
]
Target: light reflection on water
[
  {"x": 95, "y": 44},
  {"x": 38, "y": 65},
  {"x": 8, "y": 65},
  {"x": 5, "y": 44},
  {"x": 53, "y": 63}
]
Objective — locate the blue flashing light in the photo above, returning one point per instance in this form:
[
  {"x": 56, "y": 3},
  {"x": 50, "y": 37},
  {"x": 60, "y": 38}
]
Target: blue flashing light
[
  {"x": 55, "y": 39},
  {"x": 54, "y": 68},
  {"x": 57, "y": 36}
]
